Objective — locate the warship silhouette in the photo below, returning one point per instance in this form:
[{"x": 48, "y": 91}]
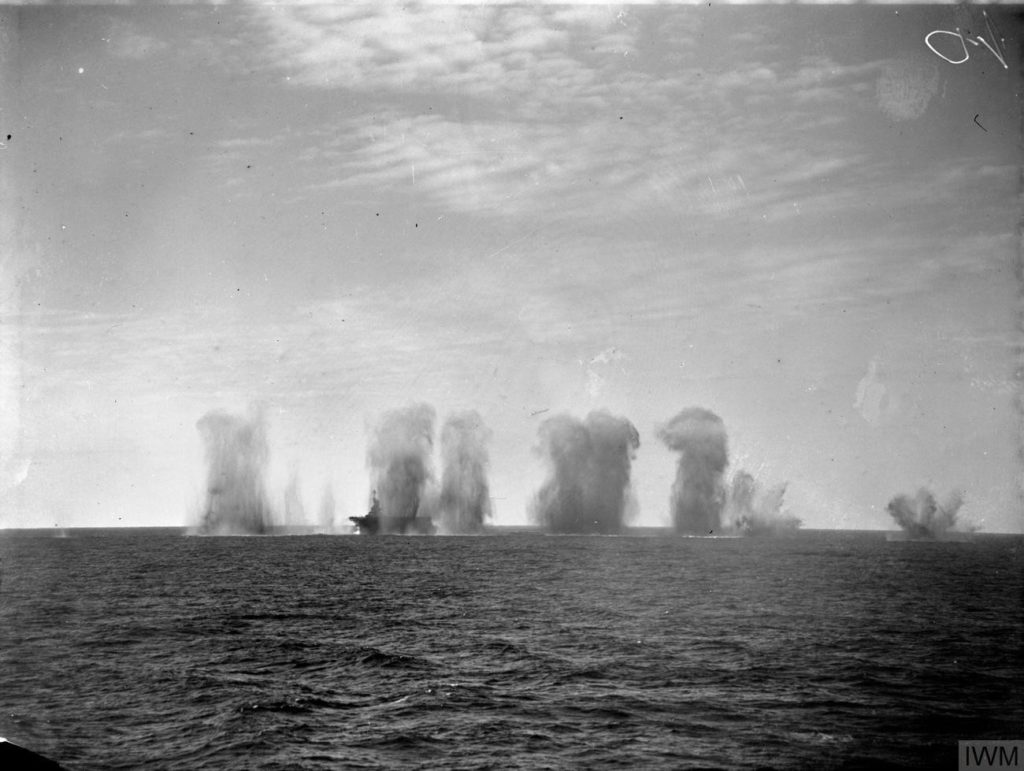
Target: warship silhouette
[{"x": 374, "y": 524}]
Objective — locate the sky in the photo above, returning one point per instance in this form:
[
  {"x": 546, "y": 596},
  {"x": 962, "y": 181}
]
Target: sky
[{"x": 801, "y": 218}]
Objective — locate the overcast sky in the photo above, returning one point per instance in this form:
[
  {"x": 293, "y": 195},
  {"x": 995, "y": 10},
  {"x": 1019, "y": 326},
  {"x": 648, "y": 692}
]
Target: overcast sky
[{"x": 799, "y": 218}]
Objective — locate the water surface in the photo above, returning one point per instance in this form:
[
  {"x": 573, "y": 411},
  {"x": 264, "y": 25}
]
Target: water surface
[{"x": 149, "y": 649}]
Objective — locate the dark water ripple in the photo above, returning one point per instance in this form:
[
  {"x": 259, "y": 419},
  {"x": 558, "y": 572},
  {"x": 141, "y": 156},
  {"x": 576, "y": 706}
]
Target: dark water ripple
[{"x": 129, "y": 650}]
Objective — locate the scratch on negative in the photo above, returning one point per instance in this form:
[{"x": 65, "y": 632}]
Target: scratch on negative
[{"x": 513, "y": 243}]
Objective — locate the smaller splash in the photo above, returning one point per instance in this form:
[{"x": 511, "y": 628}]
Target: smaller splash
[
  {"x": 753, "y": 510},
  {"x": 327, "y": 506},
  {"x": 924, "y": 517},
  {"x": 294, "y": 509},
  {"x": 464, "y": 504}
]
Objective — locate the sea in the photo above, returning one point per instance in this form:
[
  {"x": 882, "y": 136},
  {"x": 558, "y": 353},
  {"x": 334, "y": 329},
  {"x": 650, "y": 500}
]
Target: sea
[{"x": 153, "y": 649}]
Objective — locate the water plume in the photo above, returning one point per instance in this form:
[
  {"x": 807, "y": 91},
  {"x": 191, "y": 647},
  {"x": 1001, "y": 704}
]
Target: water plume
[
  {"x": 753, "y": 510},
  {"x": 327, "y": 506},
  {"x": 588, "y": 489},
  {"x": 923, "y": 517},
  {"x": 399, "y": 461},
  {"x": 698, "y": 493},
  {"x": 294, "y": 510},
  {"x": 236, "y": 456},
  {"x": 465, "y": 502}
]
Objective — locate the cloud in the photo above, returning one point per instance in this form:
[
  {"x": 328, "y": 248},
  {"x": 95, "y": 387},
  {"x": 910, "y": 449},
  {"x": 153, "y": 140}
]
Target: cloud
[
  {"x": 568, "y": 112},
  {"x": 125, "y": 41},
  {"x": 601, "y": 167},
  {"x": 905, "y": 88},
  {"x": 148, "y": 136},
  {"x": 536, "y": 114},
  {"x": 471, "y": 166},
  {"x": 526, "y": 60}
]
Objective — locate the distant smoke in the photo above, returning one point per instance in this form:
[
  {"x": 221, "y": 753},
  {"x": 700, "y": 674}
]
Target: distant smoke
[
  {"x": 327, "y": 507},
  {"x": 749, "y": 510},
  {"x": 922, "y": 517},
  {"x": 294, "y": 510},
  {"x": 465, "y": 501},
  {"x": 236, "y": 454},
  {"x": 698, "y": 493},
  {"x": 399, "y": 461},
  {"x": 588, "y": 491}
]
